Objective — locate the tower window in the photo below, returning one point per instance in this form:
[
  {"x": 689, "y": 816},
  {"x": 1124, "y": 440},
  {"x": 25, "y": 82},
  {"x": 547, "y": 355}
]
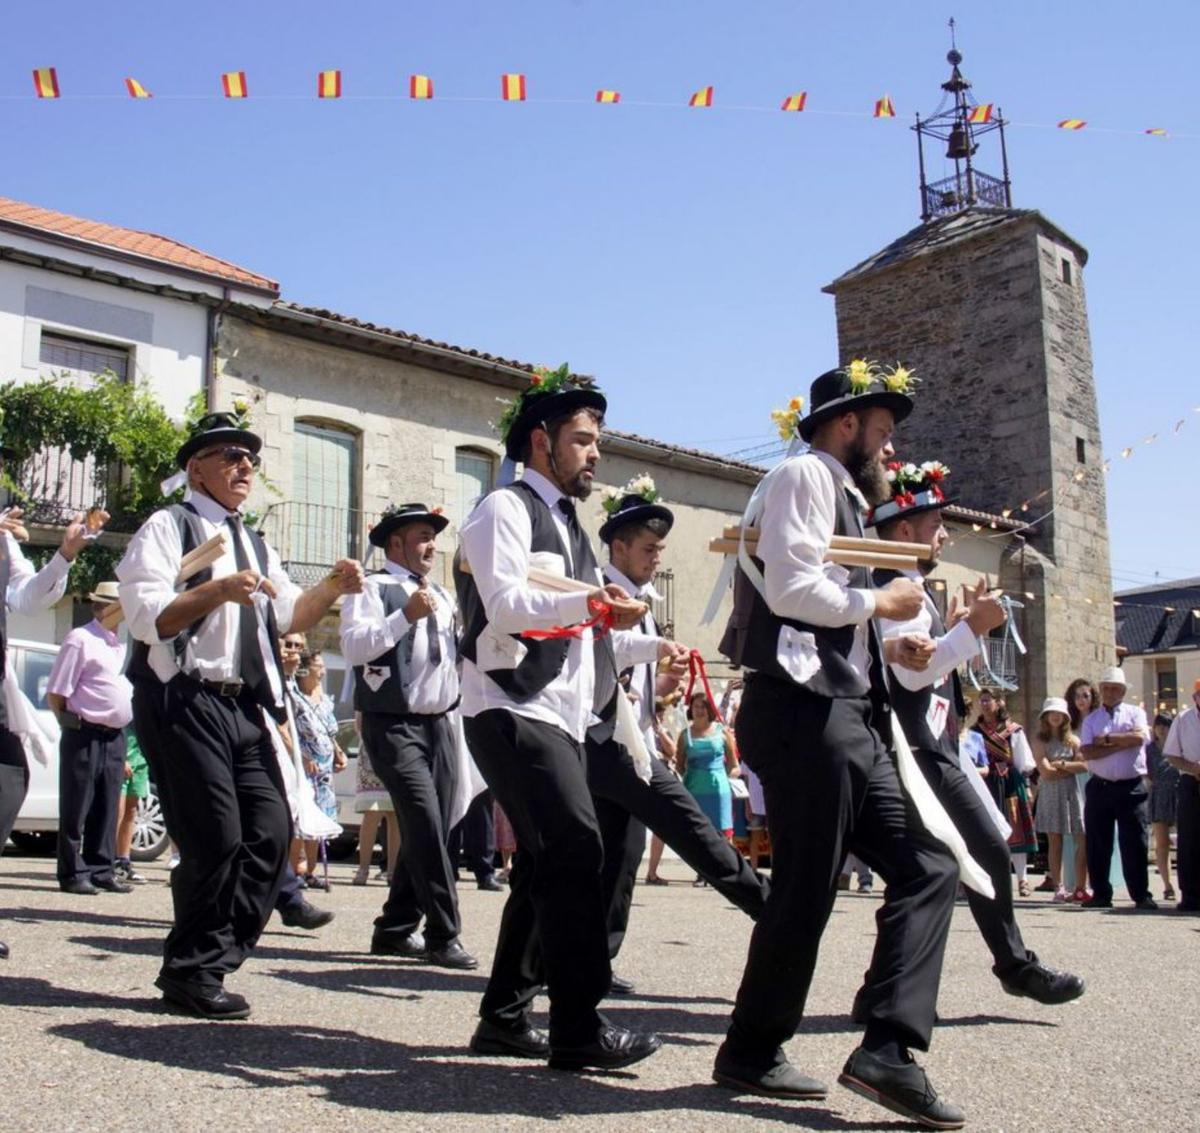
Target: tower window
[
  {"x": 1065, "y": 267},
  {"x": 1080, "y": 450}
]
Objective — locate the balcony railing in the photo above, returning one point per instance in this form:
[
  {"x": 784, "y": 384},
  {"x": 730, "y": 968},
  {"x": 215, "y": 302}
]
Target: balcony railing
[
  {"x": 664, "y": 610},
  {"x": 310, "y": 538},
  {"x": 953, "y": 194},
  {"x": 54, "y": 488}
]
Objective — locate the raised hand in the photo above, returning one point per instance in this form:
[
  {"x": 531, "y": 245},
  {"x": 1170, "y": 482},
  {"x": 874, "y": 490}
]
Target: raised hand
[{"x": 242, "y": 586}]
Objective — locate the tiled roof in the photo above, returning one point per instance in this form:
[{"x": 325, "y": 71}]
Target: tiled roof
[
  {"x": 15, "y": 214},
  {"x": 928, "y": 238},
  {"x": 1159, "y": 619}
]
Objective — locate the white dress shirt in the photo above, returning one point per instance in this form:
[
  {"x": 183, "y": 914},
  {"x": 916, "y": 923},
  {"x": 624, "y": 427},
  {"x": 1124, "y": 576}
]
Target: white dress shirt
[
  {"x": 799, "y": 514},
  {"x": 367, "y": 633},
  {"x": 147, "y": 586},
  {"x": 31, "y": 590},
  {"x": 1183, "y": 740},
  {"x": 637, "y": 648},
  {"x": 495, "y": 542},
  {"x": 950, "y": 650}
]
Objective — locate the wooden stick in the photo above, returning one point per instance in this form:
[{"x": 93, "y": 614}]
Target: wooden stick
[
  {"x": 217, "y": 542},
  {"x": 190, "y": 565},
  {"x": 848, "y": 543},
  {"x": 197, "y": 564},
  {"x": 835, "y": 555},
  {"x": 547, "y": 580}
]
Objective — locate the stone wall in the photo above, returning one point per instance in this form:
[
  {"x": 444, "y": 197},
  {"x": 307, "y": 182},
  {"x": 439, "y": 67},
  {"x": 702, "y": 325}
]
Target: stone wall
[{"x": 1000, "y": 341}]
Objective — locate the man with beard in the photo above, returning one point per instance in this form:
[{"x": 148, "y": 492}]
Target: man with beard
[
  {"x": 929, "y": 706},
  {"x": 635, "y": 533},
  {"x": 527, "y": 705},
  {"x": 814, "y": 726},
  {"x": 399, "y": 635}
]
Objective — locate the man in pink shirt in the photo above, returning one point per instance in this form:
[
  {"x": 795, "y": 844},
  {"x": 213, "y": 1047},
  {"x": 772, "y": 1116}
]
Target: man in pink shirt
[{"x": 92, "y": 700}]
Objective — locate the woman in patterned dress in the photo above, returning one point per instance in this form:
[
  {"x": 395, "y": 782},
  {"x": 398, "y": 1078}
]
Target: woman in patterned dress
[
  {"x": 317, "y": 726},
  {"x": 1007, "y": 750}
]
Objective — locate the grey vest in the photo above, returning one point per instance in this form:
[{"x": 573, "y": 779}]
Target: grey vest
[
  {"x": 5, "y": 572},
  {"x": 389, "y": 672},
  {"x": 752, "y": 634}
]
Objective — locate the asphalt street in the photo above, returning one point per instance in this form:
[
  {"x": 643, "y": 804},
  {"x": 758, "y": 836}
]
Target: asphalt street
[{"x": 342, "y": 1040}]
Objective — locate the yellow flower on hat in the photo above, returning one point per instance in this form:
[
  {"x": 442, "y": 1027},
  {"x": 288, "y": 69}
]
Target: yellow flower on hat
[
  {"x": 899, "y": 379},
  {"x": 861, "y": 373}
]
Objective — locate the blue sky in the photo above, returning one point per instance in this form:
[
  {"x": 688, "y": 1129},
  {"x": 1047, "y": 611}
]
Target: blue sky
[{"x": 676, "y": 254}]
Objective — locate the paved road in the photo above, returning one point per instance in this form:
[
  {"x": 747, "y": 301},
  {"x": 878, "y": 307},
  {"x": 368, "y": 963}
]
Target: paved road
[{"x": 341, "y": 1040}]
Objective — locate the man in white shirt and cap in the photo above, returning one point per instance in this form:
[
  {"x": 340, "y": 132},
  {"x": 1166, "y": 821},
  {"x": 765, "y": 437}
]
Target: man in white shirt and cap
[
  {"x": 399, "y": 634},
  {"x": 928, "y": 704},
  {"x": 208, "y": 690}
]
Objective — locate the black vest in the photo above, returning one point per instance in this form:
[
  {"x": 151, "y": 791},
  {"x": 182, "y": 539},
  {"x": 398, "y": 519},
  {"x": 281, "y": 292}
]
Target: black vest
[
  {"x": 388, "y": 672},
  {"x": 191, "y": 535},
  {"x": 5, "y": 571},
  {"x": 543, "y": 660},
  {"x": 752, "y": 635},
  {"x": 912, "y": 708}
]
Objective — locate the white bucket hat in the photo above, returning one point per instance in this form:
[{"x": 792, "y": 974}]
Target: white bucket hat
[
  {"x": 1114, "y": 676},
  {"x": 1054, "y": 704}
]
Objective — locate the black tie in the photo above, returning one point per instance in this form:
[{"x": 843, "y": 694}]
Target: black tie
[
  {"x": 431, "y": 634},
  {"x": 583, "y": 567},
  {"x": 252, "y": 668}
]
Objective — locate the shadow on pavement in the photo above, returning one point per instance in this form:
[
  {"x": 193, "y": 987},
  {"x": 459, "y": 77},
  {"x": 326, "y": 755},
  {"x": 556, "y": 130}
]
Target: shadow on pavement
[
  {"x": 24, "y": 991},
  {"x": 360, "y": 1072},
  {"x": 381, "y": 979},
  {"x": 26, "y": 915}
]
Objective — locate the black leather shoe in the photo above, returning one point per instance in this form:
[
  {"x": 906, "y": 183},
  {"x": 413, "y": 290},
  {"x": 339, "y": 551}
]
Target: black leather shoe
[
  {"x": 1036, "y": 981},
  {"x": 611, "y": 1049},
  {"x": 618, "y": 986},
  {"x": 113, "y": 885},
  {"x": 207, "y": 1001},
  {"x": 451, "y": 955},
  {"x": 782, "y": 1080},
  {"x": 78, "y": 885},
  {"x": 1096, "y": 903},
  {"x": 1146, "y": 905},
  {"x": 903, "y": 1089},
  {"x": 393, "y": 944},
  {"x": 490, "y": 884},
  {"x": 305, "y": 915},
  {"x": 3, "y": 950},
  {"x": 509, "y": 1042}
]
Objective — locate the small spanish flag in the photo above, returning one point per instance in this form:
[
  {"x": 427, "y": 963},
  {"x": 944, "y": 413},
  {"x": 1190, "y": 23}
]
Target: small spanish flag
[
  {"x": 795, "y": 101},
  {"x": 329, "y": 84},
  {"x": 702, "y": 97},
  {"x": 136, "y": 90},
  {"x": 1158, "y": 132},
  {"x": 608, "y": 96},
  {"x": 234, "y": 84},
  {"x": 981, "y": 114},
  {"x": 884, "y": 107},
  {"x": 45, "y": 82},
  {"x": 420, "y": 86},
  {"x": 1072, "y": 124},
  {"x": 512, "y": 88}
]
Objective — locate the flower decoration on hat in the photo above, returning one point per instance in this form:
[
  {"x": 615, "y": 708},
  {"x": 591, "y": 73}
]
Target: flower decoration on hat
[
  {"x": 912, "y": 486},
  {"x": 643, "y": 486},
  {"x": 787, "y": 421},
  {"x": 898, "y": 379},
  {"x": 862, "y": 375},
  {"x": 543, "y": 381}
]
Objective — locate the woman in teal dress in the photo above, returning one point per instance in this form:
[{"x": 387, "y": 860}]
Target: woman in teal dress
[{"x": 706, "y": 758}]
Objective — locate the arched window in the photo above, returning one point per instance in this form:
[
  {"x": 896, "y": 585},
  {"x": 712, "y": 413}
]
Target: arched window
[
  {"x": 475, "y": 476},
  {"x": 324, "y": 520}
]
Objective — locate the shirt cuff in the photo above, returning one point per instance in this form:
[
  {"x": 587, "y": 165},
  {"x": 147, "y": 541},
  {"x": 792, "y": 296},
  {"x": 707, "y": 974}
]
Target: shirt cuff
[
  {"x": 573, "y": 608},
  {"x": 643, "y": 649},
  {"x": 396, "y": 625},
  {"x": 862, "y": 606}
]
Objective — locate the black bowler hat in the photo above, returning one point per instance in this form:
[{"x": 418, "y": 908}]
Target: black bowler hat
[
  {"x": 915, "y": 488},
  {"x": 217, "y": 429},
  {"x": 634, "y": 509},
  {"x": 860, "y": 385},
  {"x": 400, "y": 514},
  {"x": 549, "y": 394}
]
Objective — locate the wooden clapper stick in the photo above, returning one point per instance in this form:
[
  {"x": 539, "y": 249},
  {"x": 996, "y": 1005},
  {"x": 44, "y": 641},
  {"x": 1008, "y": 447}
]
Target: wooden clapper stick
[
  {"x": 846, "y": 550},
  {"x": 201, "y": 558}
]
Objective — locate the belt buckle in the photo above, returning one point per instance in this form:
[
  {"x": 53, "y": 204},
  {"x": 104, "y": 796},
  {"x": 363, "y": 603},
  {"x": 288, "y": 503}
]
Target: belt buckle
[{"x": 229, "y": 688}]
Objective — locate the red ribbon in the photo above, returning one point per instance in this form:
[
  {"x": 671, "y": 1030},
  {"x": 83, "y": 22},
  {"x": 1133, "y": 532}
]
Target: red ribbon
[
  {"x": 601, "y": 623},
  {"x": 696, "y": 669}
]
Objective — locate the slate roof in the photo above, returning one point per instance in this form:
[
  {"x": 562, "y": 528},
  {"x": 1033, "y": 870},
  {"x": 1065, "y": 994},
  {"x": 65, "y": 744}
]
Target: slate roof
[
  {"x": 1159, "y": 619},
  {"x": 16, "y": 216},
  {"x": 927, "y": 239}
]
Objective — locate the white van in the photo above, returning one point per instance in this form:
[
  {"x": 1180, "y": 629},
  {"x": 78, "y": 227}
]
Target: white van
[{"x": 36, "y": 828}]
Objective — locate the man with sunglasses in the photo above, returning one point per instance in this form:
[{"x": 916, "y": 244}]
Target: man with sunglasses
[{"x": 206, "y": 674}]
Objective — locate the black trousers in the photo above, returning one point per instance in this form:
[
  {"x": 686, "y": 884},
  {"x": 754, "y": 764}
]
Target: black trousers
[
  {"x": 473, "y": 840},
  {"x": 830, "y": 786},
  {"x": 1122, "y": 802},
  {"x": 414, "y": 758},
  {"x": 91, "y": 767},
  {"x": 626, "y": 807},
  {"x": 996, "y": 920},
  {"x": 553, "y": 920},
  {"x": 291, "y": 890},
  {"x": 1187, "y": 819},
  {"x": 226, "y": 807},
  {"x": 14, "y": 782}
]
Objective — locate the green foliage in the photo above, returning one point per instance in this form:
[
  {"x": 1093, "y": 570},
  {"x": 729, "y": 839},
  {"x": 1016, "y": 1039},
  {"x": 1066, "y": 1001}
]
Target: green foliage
[{"x": 93, "y": 565}]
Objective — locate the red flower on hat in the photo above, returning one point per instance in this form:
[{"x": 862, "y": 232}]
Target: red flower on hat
[
  {"x": 906, "y": 499},
  {"x": 938, "y": 494},
  {"x": 435, "y": 511},
  {"x": 894, "y": 466},
  {"x": 934, "y": 474}
]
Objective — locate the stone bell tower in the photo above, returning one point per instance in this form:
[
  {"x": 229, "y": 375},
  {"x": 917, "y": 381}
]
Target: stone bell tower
[{"x": 985, "y": 303}]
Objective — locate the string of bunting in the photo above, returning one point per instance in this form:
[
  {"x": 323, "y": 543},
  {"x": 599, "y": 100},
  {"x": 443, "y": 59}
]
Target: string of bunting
[{"x": 514, "y": 88}]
